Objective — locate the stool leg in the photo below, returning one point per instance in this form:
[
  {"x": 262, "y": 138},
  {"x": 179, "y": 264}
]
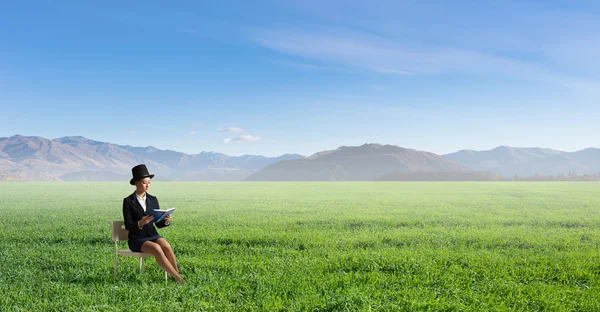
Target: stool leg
[{"x": 141, "y": 264}]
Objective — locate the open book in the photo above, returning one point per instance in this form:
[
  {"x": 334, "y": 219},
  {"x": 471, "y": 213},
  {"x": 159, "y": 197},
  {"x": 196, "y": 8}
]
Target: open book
[{"x": 160, "y": 215}]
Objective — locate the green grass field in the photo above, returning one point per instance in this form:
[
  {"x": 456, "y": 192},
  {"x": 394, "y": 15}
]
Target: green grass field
[{"x": 389, "y": 246}]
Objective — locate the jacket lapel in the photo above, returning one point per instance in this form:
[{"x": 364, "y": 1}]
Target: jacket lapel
[
  {"x": 136, "y": 204},
  {"x": 149, "y": 204},
  {"x": 149, "y": 207}
]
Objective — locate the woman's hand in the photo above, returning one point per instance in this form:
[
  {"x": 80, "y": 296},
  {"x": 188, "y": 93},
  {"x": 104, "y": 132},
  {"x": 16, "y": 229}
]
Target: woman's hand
[
  {"x": 168, "y": 219},
  {"x": 145, "y": 220}
]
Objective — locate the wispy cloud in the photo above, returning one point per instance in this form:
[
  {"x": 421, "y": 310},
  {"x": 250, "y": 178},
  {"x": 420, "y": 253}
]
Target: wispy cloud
[
  {"x": 304, "y": 65},
  {"x": 131, "y": 131},
  {"x": 367, "y": 52},
  {"x": 364, "y": 51},
  {"x": 242, "y": 138},
  {"x": 231, "y": 130},
  {"x": 191, "y": 132}
]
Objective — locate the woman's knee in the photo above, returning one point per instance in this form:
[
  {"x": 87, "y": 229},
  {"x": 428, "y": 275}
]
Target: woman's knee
[
  {"x": 152, "y": 248},
  {"x": 164, "y": 244}
]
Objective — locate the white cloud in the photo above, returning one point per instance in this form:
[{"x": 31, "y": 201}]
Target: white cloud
[
  {"x": 359, "y": 51},
  {"x": 303, "y": 66},
  {"x": 242, "y": 138},
  {"x": 131, "y": 131},
  {"x": 230, "y": 130},
  {"x": 381, "y": 54},
  {"x": 192, "y": 132}
]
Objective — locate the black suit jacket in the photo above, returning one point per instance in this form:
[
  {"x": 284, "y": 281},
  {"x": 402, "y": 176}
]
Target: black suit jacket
[{"x": 133, "y": 212}]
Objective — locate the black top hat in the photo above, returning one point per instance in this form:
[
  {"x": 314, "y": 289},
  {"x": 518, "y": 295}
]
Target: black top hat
[{"x": 139, "y": 172}]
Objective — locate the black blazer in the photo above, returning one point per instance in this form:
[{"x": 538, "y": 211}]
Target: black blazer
[{"x": 133, "y": 212}]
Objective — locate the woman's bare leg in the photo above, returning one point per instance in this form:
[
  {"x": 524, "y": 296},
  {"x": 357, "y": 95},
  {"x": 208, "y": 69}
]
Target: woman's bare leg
[
  {"x": 162, "y": 260},
  {"x": 168, "y": 251}
]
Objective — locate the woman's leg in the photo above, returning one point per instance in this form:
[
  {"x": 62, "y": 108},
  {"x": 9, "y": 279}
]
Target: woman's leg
[
  {"x": 162, "y": 260},
  {"x": 168, "y": 251}
]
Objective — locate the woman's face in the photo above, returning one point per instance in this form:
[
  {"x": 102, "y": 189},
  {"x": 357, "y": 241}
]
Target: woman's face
[{"x": 142, "y": 185}]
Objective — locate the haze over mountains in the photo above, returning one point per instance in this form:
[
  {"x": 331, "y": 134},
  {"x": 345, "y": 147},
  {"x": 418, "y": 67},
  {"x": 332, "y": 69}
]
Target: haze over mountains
[
  {"x": 80, "y": 159},
  {"x": 509, "y": 161},
  {"x": 367, "y": 162}
]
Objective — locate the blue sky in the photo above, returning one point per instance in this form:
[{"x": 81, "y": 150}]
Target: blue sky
[{"x": 275, "y": 77}]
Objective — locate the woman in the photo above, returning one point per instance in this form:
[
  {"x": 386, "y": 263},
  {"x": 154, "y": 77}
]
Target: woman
[{"x": 137, "y": 212}]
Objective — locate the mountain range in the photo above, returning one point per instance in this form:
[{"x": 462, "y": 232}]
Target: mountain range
[
  {"x": 510, "y": 161},
  {"x": 75, "y": 158},
  {"x": 367, "y": 162}
]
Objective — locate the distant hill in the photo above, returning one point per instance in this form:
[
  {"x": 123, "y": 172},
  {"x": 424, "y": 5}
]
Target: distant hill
[
  {"x": 510, "y": 161},
  {"x": 367, "y": 162},
  {"x": 75, "y": 158}
]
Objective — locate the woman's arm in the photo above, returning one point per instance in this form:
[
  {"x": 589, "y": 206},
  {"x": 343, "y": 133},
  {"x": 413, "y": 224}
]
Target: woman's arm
[
  {"x": 130, "y": 224},
  {"x": 162, "y": 224}
]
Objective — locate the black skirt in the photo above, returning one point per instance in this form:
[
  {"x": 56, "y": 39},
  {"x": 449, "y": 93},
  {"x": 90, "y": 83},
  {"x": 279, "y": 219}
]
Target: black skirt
[{"x": 136, "y": 244}]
